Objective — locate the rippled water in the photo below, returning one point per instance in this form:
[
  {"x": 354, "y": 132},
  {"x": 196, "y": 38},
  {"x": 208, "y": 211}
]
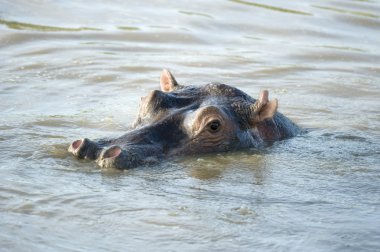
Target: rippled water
[{"x": 78, "y": 68}]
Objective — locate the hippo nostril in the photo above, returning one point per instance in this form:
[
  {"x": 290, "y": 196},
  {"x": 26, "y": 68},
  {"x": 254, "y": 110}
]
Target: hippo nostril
[
  {"x": 112, "y": 152},
  {"x": 75, "y": 145},
  {"x": 84, "y": 148}
]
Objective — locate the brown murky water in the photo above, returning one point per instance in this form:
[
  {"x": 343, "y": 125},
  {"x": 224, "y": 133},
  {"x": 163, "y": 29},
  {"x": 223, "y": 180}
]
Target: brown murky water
[{"x": 78, "y": 68}]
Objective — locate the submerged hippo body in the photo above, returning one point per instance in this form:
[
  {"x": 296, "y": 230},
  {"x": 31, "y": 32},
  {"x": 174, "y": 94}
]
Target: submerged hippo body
[{"x": 186, "y": 120}]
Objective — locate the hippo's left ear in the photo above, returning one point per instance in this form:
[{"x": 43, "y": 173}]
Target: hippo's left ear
[
  {"x": 263, "y": 108},
  {"x": 167, "y": 81}
]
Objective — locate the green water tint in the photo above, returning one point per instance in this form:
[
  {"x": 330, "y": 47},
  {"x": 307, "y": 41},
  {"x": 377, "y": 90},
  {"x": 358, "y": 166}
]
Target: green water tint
[
  {"x": 345, "y": 48},
  {"x": 109, "y": 53},
  {"x": 128, "y": 28},
  {"x": 27, "y": 26},
  {"x": 270, "y": 7},
  {"x": 357, "y": 13}
]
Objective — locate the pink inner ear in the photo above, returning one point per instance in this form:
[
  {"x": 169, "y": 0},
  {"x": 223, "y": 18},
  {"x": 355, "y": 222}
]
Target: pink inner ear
[
  {"x": 268, "y": 110},
  {"x": 264, "y": 97},
  {"x": 165, "y": 81},
  {"x": 165, "y": 87}
]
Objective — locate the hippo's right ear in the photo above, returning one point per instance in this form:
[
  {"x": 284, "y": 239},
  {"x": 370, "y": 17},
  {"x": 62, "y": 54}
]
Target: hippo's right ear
[
  {"x": 167, "y": 81},
  {"x": 263, "y": 109}
]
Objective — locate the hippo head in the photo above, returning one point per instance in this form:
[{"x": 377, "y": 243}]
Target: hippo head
[{"x": 183, "y": 120}]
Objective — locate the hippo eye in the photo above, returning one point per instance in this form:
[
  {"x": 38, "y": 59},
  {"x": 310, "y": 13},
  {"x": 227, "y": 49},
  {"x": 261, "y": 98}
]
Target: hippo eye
[{"x": 214, "y": 126}]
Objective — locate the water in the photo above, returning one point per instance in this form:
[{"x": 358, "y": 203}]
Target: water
[{"x": 74, "y": 69}]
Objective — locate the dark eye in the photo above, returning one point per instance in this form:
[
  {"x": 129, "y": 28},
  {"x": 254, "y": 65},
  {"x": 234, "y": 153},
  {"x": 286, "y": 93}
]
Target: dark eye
[{"x": 214, "y": 126}]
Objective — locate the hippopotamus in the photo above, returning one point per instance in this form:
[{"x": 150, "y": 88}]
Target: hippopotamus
[{"x": 180, "y": 120}]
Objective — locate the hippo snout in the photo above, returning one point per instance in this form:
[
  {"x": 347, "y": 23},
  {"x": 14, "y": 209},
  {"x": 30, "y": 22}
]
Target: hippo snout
[
  {"x": 84, "y": 149},
  {"x": 116, "y": 157},
  {"x": 109, "y": 154}
]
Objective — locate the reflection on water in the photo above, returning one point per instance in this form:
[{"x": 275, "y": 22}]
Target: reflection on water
[
  {"x": 75, "y": 69},
  {"x": 213, "y": 167}
]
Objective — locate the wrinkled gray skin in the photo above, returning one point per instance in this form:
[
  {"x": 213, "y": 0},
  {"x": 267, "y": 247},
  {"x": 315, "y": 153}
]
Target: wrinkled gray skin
[{"x": 188, "y": 120}]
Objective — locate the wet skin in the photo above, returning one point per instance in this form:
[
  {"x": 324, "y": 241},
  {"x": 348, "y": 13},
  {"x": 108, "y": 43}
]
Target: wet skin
[{"x": 186, "y": 120}]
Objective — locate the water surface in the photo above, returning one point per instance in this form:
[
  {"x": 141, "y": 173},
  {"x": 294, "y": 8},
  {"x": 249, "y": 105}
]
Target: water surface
[{"x": 74, "y": 69}]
